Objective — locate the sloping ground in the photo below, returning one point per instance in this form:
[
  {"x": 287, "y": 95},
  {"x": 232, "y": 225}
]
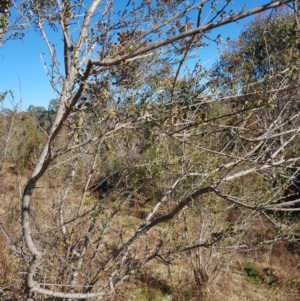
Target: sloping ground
[
  {"x": 271, "y": 277},
  {"x": 271, "y": 282},
  {"x": 269, "y": 274}
]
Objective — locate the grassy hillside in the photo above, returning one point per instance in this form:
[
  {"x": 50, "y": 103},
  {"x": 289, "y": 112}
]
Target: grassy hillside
[{"x": 212, "y": 250}]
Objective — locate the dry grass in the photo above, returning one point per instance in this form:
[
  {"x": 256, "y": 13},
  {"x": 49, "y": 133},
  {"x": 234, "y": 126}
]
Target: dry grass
[{"x": 277, "y": 266}]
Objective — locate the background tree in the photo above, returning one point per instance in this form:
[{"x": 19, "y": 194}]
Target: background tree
[
  {"x": 53, "y": 104},
  {"x": 4, "y": 17},
  {"x": 261, "y": 70},
  {"x": 36, "y": 109},
  {"x": 267, "y": 47}
]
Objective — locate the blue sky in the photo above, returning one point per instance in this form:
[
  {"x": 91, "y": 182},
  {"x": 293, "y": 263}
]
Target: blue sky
[{"x": 21, "y": 66}]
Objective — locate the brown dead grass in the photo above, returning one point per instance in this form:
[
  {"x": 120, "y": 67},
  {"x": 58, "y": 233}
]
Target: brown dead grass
[{"x": 278, "y": 265}]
